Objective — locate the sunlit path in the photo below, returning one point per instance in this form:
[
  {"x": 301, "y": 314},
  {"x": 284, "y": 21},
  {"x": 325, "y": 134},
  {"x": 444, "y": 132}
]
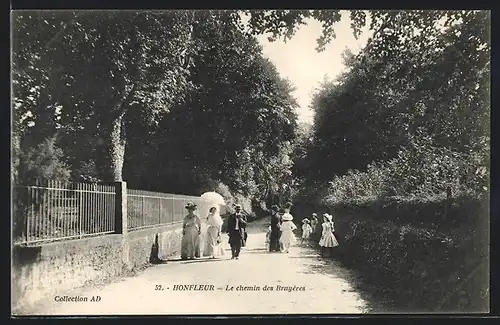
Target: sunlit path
[{"x": 326, "y": 287}]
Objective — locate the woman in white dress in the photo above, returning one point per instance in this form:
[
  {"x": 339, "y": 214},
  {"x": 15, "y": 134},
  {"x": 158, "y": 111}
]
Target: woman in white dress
[
  {"x": 328, "y": 240},
  {"x": 287, "y": 236},
  {"x": 213, "y": 247}
]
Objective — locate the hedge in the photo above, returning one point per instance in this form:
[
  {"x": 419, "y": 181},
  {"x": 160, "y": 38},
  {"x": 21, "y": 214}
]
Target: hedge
[{"x": 416, "y": 258}]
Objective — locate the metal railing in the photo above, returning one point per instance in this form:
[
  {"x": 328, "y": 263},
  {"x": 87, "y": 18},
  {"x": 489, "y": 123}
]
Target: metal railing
[
  {"x": 148, "y": 209},
  {"x": 50, "y": 211}
]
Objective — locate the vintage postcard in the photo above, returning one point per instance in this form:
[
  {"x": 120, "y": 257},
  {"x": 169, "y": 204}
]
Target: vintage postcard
[{"x": 250, "y": 162}]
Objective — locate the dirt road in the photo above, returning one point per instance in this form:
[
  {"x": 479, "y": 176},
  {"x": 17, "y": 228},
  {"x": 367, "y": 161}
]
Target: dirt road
[{"x": 301, "y": 282}]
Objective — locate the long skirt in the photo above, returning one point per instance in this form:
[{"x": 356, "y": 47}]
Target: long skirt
[
  {"x": 212, "y": 248},
  {"x": 190, "y": 244},
  {"x": 318, "y": 232},
  {"x": 328, "y": 240},
  {"x": 274, "y": 240}
]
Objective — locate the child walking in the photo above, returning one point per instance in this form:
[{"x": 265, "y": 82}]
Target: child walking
[
  {"x": 287, "y": 236},
  {"x": 328, "y": 240},
  {"x": 306, "y": 230}
]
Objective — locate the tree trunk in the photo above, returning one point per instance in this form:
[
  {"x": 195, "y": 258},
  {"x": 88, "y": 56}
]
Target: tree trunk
[
  {"x": 112, "y": 153},
  {"x": 16, "y": 151},
  {"x": 113, "y": 150}
]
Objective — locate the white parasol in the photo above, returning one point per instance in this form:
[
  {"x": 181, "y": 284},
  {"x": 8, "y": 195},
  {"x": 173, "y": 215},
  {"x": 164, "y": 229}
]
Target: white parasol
[{"x": 213, "y": 197}]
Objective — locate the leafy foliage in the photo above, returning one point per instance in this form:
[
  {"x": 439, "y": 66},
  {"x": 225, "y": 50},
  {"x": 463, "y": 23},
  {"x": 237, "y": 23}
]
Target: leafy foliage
[
  {"x": 419, "y": 170},
  {"x": 396, "y": 91},
  {"x": 400, "y": 24},
  {"x": 234, "y": 125},
  {"x": 98, "y": 65},
  {"x": 420, "y": 268},
  {"x": 45, "y": 161},
  {"x": 403, "y": 138}
]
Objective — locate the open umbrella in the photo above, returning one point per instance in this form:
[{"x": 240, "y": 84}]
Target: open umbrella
[{"x": 213, "y": 197}]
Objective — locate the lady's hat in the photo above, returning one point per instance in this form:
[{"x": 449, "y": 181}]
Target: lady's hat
[
  {"x": 287, "y": 217},
  {"x": 314, "y": 214},
  {"x": 305, "y": 220},
  {"x": 190, "y": 206},
  {"x": 329, "y": 217}
]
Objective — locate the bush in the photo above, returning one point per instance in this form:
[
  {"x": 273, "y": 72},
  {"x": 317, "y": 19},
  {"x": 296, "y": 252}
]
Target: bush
[
  {"x": 431, "y": 212},
  {"x": 420, "y": 170},
  {"x": 420, "y": 268},
  {"x": 45, "y": 161},
  {"x": 86, "y": 171}
]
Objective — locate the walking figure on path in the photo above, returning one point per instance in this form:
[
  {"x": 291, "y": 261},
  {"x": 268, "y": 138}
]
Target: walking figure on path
[
  {"x": 191, "y": 230},
  {"x": 274, "y": 243},
  {"x": 317, "y": 228},
  {"x": 306, "y": 230},
  {"x": 236, "y": 229},
  {"x": 314, "y": 225},
  {"x": 213, "y": 247},
  {"x": 328, "y": 240},
  {"x": 287, "y": 237}
]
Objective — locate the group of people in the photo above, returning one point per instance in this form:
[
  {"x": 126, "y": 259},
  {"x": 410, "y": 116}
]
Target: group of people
[
  {"x": 280, "y": 234},
  {"x": 191, "y": 231}
]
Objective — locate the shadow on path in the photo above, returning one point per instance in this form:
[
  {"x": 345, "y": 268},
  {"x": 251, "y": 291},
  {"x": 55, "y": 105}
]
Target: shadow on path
[
  {"x": 315, "y": 264},
  {"x": 203, "y": 259}
]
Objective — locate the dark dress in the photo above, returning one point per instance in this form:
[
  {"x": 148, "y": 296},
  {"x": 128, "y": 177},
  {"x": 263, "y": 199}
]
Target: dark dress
[
  {"x": 318, "y": 231},
  {"x": 274, "y": 244},
  {"x": 236, "y": 236}
]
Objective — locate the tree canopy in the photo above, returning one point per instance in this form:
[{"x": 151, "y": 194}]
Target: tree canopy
[{"x": 185, "y": 100}]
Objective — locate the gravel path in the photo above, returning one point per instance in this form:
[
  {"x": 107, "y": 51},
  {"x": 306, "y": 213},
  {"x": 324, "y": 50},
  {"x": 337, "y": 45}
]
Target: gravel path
[{"x": 318, "y": 286}]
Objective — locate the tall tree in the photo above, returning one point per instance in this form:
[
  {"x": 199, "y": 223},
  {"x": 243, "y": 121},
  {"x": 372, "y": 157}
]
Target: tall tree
[
  {"x": 104, "y": 63},
  {"x": 434, "y": 82},
  {"x": 238, "y": 106}
]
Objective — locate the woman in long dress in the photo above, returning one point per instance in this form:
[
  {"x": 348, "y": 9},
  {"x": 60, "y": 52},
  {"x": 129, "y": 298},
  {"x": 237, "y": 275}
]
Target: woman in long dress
[
  {"x": 287, "y": 236},
  {"x": 213, "y": 246},
  {"x": 191, "y": 230},
  {"x": 328, "y": 240}
]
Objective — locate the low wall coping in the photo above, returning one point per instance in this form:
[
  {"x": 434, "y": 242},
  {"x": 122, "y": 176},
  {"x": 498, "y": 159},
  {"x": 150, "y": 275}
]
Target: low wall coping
[
  {"x": 30, "y": 254},
  {"x": 136, "y": 233}
]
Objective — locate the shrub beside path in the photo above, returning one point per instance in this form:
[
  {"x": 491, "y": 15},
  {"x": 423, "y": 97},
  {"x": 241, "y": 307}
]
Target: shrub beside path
[{"x": 329, "y": 287}]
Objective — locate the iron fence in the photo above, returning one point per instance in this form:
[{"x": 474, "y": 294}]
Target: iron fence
[
  {"x": 50, "y": 211},
  {"x": 148, "y": 209}
]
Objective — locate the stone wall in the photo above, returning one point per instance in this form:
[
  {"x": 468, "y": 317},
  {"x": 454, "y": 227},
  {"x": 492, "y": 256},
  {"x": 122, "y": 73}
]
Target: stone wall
[{"x": 53, "y": 269}]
